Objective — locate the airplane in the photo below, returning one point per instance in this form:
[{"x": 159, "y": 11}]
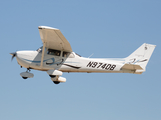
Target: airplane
[{"x": 56, "y": 56}]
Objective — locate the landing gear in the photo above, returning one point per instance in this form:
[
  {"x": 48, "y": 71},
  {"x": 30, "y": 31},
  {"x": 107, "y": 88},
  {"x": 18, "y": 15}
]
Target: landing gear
[
  {"x": 24, "y": 77},
  {"x": 56, "y": 82},
  {"x": 54, "y": 78},
  {"x": 26, "y": 74}
]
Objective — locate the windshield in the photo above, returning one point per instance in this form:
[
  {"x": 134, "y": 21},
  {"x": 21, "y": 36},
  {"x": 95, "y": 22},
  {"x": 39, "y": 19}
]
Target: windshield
[{"x": 39, "y": 49}]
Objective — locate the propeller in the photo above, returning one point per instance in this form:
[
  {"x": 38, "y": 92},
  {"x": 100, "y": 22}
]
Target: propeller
[{"x": 13, "y": 55}]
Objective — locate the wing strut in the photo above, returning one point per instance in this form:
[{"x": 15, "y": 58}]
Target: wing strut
[{"x": 42, "y": 57}]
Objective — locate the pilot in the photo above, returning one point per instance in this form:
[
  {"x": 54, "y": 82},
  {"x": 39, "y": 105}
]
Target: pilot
[
  {"x": 57, "y": 53},
  {"x": 65, "y": 55}
]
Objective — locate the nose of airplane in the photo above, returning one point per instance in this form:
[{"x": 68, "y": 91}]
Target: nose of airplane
[{"x": 13, "y": 55}]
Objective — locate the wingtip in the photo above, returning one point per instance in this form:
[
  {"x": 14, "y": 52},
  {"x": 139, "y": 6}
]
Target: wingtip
[{"x": 47, "y": 27}]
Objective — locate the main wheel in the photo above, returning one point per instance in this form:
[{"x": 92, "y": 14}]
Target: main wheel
[
  {"x": 52, "y": 76},
  {"x": 24, "y": 77},
  {"x": 56, "y": 82}
]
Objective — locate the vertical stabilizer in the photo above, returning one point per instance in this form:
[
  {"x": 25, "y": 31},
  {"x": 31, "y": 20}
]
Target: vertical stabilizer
[{"x": 141, "y": 56}]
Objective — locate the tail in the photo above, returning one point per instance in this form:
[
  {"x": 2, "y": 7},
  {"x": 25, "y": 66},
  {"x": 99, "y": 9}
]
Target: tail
[{"x": 138, "y": 60}]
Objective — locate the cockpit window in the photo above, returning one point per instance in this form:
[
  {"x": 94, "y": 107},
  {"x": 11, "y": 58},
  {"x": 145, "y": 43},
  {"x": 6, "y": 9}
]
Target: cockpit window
[
  {"x": 66, "y": 54},
  {"x": 39, "y": 49},
  {"x": 54, "y": 52}
]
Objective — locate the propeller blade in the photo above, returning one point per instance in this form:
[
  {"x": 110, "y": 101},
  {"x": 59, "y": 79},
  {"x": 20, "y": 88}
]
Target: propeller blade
[{"x": 13, "y": 55}]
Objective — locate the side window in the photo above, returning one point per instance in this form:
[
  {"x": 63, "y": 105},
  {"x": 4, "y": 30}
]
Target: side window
[
  {"x": 53, "y": 52},
  {"x": 66, "y": 54},
  {"x": 71, "y": 55}
]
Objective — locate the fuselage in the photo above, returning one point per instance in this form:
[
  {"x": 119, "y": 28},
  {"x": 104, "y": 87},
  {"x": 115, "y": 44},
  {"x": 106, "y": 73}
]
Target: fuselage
[
  {"x": 56, "y": 57},
  {"x": 70, "y": 63}
]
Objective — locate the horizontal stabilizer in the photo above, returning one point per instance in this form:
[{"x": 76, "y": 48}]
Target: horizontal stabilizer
[{"x": 132, "y": 67}]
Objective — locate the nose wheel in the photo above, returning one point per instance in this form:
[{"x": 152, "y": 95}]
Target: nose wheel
[{"x": 27, "y": 74}]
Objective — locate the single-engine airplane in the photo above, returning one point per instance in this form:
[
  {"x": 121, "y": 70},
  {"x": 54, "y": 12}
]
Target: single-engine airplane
[{"x": 56, "y": 56}]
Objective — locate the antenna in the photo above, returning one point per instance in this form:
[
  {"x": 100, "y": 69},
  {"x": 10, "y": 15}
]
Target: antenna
[{"x": 90, "y": 55}]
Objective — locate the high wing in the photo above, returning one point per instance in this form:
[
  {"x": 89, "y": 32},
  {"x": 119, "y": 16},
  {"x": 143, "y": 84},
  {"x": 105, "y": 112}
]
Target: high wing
[{"x": 54, "y": 39}]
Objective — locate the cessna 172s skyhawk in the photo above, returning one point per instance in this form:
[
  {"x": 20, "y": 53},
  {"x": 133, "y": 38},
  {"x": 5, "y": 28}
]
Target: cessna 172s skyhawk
[{"x": 56, "y": 56}]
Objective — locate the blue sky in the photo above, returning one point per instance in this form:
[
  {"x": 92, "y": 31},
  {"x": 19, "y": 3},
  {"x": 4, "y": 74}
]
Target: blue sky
[{"x": 107, "y": 28}]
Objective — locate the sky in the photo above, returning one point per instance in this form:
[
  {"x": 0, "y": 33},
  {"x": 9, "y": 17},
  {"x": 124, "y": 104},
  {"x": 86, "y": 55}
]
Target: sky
[{"x": 104, "y": 28}]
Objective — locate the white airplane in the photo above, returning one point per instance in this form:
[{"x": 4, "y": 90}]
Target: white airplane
[{"x": 56, "y": 56}]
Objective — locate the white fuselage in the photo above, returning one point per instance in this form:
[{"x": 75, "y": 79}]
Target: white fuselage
[{"x": 72, "y": 63}]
